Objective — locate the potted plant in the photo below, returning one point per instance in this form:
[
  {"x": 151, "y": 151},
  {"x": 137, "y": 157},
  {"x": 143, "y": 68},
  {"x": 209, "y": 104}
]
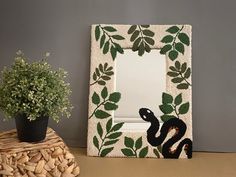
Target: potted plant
[{"x": 31, "y": 93}]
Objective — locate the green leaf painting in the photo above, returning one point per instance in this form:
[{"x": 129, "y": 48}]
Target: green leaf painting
[
  {"x": 142, "y": 38},
  {"x": 105, "y": 100},
  {"x": 173, "y": 107},
  {"x": 134, "y": 148},
  {"x": 102, "y": 74},
  {"x": 107, "y": 137},
  {"x": 109, "y": 40},
  {"x": 157, "y": 151},
  {"x": 175, "y": 42},
  {"x": 180, "y": 73}
]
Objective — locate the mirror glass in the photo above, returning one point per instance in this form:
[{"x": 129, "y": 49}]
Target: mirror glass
[{"x": 141, "y": 81}]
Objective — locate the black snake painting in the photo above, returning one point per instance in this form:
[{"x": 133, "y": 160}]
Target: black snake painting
[{"x": 174, "y": 123}]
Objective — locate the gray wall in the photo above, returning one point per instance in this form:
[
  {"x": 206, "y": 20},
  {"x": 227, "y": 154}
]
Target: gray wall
[{"x": 63, "y": 28}]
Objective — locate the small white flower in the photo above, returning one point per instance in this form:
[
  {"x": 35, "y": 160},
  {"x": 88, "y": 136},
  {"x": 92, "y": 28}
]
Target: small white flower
[{"x": 47, "y": 54}]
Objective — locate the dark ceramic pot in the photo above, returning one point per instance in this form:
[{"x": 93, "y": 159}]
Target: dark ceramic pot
[{"x": 31, "y": 131}]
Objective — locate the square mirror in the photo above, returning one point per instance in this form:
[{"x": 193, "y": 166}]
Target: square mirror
[{"x": 140, "y": 101}]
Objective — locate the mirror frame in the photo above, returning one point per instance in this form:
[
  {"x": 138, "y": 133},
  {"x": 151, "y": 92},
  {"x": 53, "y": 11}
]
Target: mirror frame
[{"x": 104, "y": 137}]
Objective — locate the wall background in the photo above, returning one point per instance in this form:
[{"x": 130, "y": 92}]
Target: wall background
[{"x": 63, "y": 28}]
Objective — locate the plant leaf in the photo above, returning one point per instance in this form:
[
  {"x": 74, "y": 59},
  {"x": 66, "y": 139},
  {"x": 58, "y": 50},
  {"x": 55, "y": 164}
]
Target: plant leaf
[
  {"x": 109, "y": 28},
  {"x": 177, "y": 80},
  {"x": 173, "y": 54},
  {"x": 141, "y": 49},
  {"x": 95, "y": 142},
  {"x": 97, "y": 33},
  {"x": 94, "y": 76},
  {"x": 119, "y": 48},
  {"x": 147, "y": 48},
  {"x": 102, "y": 40},
  {"x": 177, "y": 65},
  {"x": 134, "y": 35},
  {"x": 187, "y": 73},
  {"x": 165, "y": 49},
  {"x": 127, "y": 152},
  {"x": 183, "y": 109},
  {"x": 172, "y": 74},
  {"x": 97, "y": 72},
  {"x": 148, "y": 33},
  {"x": 117, "y": 37},
  {"x": 113, "y": 52},
  {"x": 136, "y": 43},
  {"x": 109, "y": 73},
  {"x": 117, "y": 126},
  {"x": 159, "y": 147},
  {"x": 104, "y": 92},
  {"x": 145, "y": 26},
  {"x": 101, "y": 82},
  {"x": 166, "y": 108},
  {"x": 114, "y": 135},
  {"x": 183, "y": 67},
  {"x": 106, "y": 78},
  {"x": 100, "y": 67},
  {"x": 132, "y": 29},
  {"x": 115, "y": 97},
  {"x": 156, "y": 153},
  {"x": 179, "y": 47},
  {"x": 178, "y": 99},
  {"x": 110, "y": 106},
  {"x": 138, "y": 143},
  {"x": 99, "y": 129},
  {"x": 173, "y": 29},
  {"x": 106, "y": 151},
  {"x": 183, "y": 37},
  {"x": 167, "y": 39},
  {"x": 106, "y": 47},
  {"x": 182, "y": 86},
  {"x": 149, "y": 40},
  {"x": 173, "y": 68},
  {"x": 166, "y": 98},
  {"x": 143, "y": 153},
  {"x": 95, "y": 98},
  {"x": 129, "y": 142},
  {"x": 109, "y": 125},
  {"x": 110, "y": 142},
  {"x": 165, "y": 117},
  {"x": 100, "y": 114}
]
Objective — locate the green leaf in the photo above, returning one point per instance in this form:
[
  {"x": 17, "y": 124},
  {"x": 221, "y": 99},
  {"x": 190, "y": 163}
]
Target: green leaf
[
  {"x": 104, "y": 92},
  {"x": 165, "y": 49},
  {"x": 106, "y": 47},
  {"x": 100, "y": 67},
  {"x": 166, "y": 98},
  {"x": 101, "y": 82},
  {"x": 97, "y": 33},
  {"x": 127, "y": 152},
  {"x": 107, "y": 143},
  {"x": 110, "y": 73},
  {"x": 115, "y": 97},
  {"x": 132, "y": 29},
  {"x": 145, "y": 26},
  {"x": 173, "y": 68},
  {"x": 129, "y": 142},
  {"x": 148, "y": 33},
  {"x": 109, "y": 69},
  {"x": 100, "y": 114},
  {"x": 173, "y": 29},
  {"x": 95, "y": 142},
  {"x": 138, "y": 143},
  {"x": 159, "y": 147},
  {"x": 182, "y": 86},
  {"x": 166, "y": 108},
  {"x": 117, "y": 126},
  {"x": 102, "y": 40},
  {"x": 183, "y": 67},
  {"x": 173, "y": 54},
  {"x": 172, "y": 74},
  {"x": 165, "y": 118},
  {"x": 136, "y": 43},
  {"x": 143, "y": 153},
  {"x": 183, "y": 109},
  {"x": 113, "y": 52},
  {"x": 99, "y": 129},
  {"x": 114, "y": 135},
  {"x": 177, "y": 80},
  {"x": 147, "y": 48},
  {"x": 95, "y": 98},
  {"x": 97, "y": 72},
  {"x": 94, "y": 76},
  {"x": 141, "y": 49},
  {"x": 119, "y": 48},
  {"x": 183, "y": 37},
  {"x": 109, "y": 28},
  {"x": 134, "y": 35},
  {"x": 105, "y": 66},
  {"x": 110, "y": 106},
  {"x": 187, "y": 73},
  {"x": 156, "y": 153},
  {"x": 117, "y": 37},
  {"x": 109, "y": 125},
  {"x": 177, "y": 65},
  {"x": 149, "y": 40},
  {"x": 167, "y": 39},
  {"x": 106, "y": 78},
  {"x": 178, "y": 99},
  {"x": 106, "y": 151},
  {"x": 179, "y": 47}
]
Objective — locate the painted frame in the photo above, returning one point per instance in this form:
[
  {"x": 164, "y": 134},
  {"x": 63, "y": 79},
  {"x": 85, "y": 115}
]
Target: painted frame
[{"x": 104, "y": 137}]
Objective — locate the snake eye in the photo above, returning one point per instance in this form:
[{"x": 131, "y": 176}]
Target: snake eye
[{"x": 148, "y": 111}]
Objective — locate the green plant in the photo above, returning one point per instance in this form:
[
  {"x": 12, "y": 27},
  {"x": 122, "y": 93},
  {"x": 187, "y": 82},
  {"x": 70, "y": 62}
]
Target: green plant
[
  {"x": 132, "y": 148},
  {"x": 107, "y": 137},
  {"x": 172, "y": 107},
  {"x": 157, "y": 151},
  {"x": 34, "y": 89}
]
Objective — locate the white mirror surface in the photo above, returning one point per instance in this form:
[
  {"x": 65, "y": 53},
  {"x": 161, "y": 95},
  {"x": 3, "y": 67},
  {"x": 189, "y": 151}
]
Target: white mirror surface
[{"x": 141, "y": 81}]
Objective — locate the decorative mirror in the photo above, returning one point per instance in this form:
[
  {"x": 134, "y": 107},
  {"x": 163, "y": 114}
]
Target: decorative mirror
[{"x": 140, "y": 102}]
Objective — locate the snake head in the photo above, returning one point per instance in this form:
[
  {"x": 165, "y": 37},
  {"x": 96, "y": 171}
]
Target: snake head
[{"x": 146, "y": 114}]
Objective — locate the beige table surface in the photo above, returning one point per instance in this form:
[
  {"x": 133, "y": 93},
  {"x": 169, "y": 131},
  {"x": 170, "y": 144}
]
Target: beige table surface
[{"x": 201, "y": 165}]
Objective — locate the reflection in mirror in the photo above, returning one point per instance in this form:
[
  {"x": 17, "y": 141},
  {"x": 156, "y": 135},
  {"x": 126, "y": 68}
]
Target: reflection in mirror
[{"x": 141, "y": 81}]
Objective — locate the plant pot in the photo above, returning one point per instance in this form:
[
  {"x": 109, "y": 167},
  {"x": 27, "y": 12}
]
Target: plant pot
[{"x": 31, "y": 131}]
